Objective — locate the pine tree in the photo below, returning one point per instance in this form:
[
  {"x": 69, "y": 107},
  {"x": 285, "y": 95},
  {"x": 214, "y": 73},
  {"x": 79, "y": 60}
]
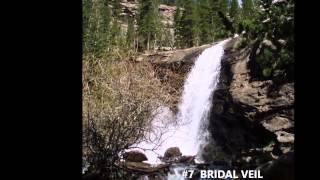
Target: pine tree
[
  {"x": 248, "y": 15},
  {"x": 104, "y": 22},
  {"x": 224, "y": 6},
  {"x": 217, "y": 29},
  {"x": 234, "y": 10},
  {"x": 148, "y": 23},
  {"x": 130, "y": 32},
  {"x": 247, "y": 9},
  {"x": 205, "y": 21},
  {"x": 86, "y": 24},
  {"x": 116, "y": 8},
  {"x": 187, "y": 23},
  {"x": 168, "y": 2},
  {"x": 96, "y": 20},
  {"x": 115, "y": 33},
  {"x": 196, "y": 30},
  {"x": 177, "y": 24}
]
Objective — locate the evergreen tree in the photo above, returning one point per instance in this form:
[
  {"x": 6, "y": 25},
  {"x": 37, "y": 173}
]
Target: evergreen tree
[
  {"x": 187, "y": 23},
  {"x": 96, "y": 20},
  {"x": 104, "y": 22},
  {"x": 168, "y": 39},
  {"x": 205, "y": 23},
  {"x": 217, "y": 29},
  {"x": 116, "y": 7},
  {"x": 148, "y": 23},
  {"x": 248, "y": 15},
  {"x": 224, "y": 6},
  {"x": 86, "y": 24},
  {"x": 130, "y": 32},
  {"x": 115, "y": 33},
  {"x": 247, "y": 9},
  {"x": 177, "y": 24},
  {"x": 234, "y": 11},
  {"x": 168, "y": 2},
  {"x": 196, "y": 30}
]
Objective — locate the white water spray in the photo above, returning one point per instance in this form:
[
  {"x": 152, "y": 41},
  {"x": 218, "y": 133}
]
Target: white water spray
[
  {"x": 190, "y": 133},
  {"x": 196, "y": 98}
]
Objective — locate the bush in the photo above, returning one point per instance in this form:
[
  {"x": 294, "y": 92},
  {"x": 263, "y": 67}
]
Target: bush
[
  {"x": 118, "y": 102},
  {"x": 273, "y": 30}
]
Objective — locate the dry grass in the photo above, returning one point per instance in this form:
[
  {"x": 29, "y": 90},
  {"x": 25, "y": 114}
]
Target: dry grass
[
  {"x": 119, "y": 99},
  {"x": 108, "y": 85}
]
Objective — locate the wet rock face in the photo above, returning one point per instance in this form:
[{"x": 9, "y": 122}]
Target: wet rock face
[
  {"x": 135, "y": 156},
  {"x": 172, "y": 67},
  {"x": 251, "y": 120}
]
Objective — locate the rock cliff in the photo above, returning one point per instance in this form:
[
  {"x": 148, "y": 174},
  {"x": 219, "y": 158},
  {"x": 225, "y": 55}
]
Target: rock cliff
[{"x": 251, "y": 121}]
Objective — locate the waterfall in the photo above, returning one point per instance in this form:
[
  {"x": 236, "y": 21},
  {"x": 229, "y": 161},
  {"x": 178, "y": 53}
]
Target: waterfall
[
  {"x": 190, "y": 132},
  {"x": 196, "y": 99}
]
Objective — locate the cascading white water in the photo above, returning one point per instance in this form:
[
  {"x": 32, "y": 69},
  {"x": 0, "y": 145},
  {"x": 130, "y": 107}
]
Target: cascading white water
[
  {"x": 194, "y": 107},
  {"x": 196, "y": 99}
]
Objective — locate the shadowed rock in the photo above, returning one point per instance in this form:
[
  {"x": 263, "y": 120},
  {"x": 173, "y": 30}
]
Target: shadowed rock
[
  {"x": 134, "y": 156},
  {"x": 172, "y": 152}
]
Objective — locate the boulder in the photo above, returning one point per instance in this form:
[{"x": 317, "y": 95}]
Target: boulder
[
  {"x": 277, "y": 123},
  {"x": 285, "y": 137},
  {"x": 173, "y": 152},
  {"x": 134, "y": 156}
]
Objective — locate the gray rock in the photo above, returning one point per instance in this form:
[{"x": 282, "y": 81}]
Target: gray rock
[
  {"x": 285, "y": 137},
  {"x": 277, "y": 123},
  {"x": 282, "y": 42},
  {"x": 172, "y": 152},
  {"x": 135, "y": 156},
  {"x": 257, "y": 113},
  {"x": 268, "y": 43}
]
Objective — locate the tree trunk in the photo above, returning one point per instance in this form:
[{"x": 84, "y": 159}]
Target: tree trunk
[
  {"x": 148, "y": 41},
  {"x": 155, "y": 43},
  {"x": 137, "y": 44}
]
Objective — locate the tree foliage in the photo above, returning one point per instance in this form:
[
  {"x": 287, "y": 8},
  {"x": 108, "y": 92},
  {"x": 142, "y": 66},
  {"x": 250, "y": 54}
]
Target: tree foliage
[
  {"x": 273, "y": 35},
  {"x": 187, "y": 23},
  {"x": 177, "y": 25},
  {"x": 148, "y": 23},
  {"x": 168, "y": 2},
  {"x": 130, "y": 36},
  {"x": 234, "y": 11},
  {"x": 96, "y": 25},
  {"x": 198, "y": 22},
  {"x": 247, "y": 9},
  {"x": 116, "y": 8}
]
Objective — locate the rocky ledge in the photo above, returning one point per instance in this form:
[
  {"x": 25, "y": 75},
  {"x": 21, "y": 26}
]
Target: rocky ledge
[{"x": 251, "y": 121}]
